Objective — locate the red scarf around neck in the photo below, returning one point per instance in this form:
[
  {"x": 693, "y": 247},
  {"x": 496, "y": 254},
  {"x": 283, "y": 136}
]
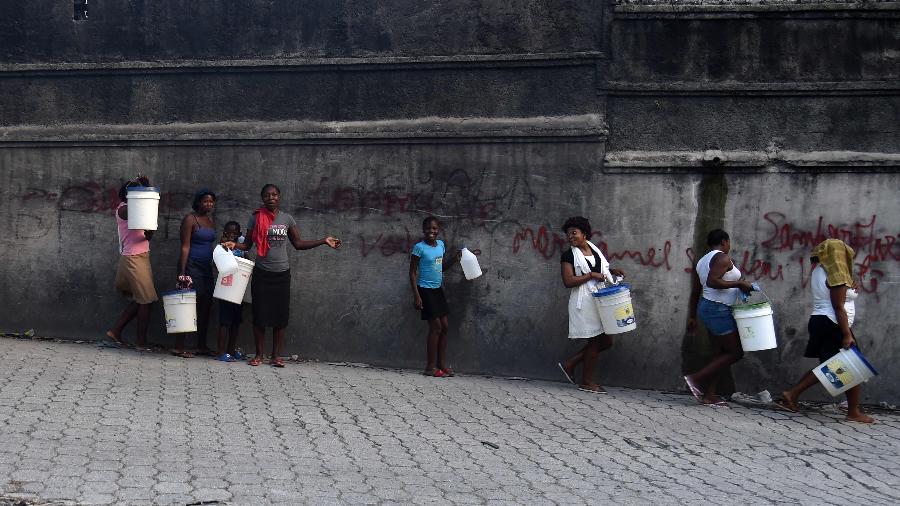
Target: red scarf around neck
[{"x": 264, "y": 219}]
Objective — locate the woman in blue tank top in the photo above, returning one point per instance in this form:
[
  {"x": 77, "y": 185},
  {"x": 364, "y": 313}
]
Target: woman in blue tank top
[{"x": 198, "y": 238}]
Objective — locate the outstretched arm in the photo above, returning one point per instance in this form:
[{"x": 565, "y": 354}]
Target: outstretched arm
[{"x": 298, "y": 243}]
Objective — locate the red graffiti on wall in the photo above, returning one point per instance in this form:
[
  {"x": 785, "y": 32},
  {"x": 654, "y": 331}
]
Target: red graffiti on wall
[
  {"x": 863, "y": 236},
  {"x": 550, "y": 244}
]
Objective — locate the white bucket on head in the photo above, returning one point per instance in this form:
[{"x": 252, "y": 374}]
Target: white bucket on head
[
  {"x": 616, "y": 311},
  {"x": 181, "y": 311},
  {"x": 755, "y": 326},
  {"x": 231, "y": 287},
  {"x": 844, "y": 371},
  {"x": 143, "y": 208},
  {"x": 225, "y": 261}
]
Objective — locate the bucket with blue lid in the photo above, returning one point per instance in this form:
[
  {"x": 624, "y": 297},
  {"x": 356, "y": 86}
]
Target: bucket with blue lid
[{"x": 616, "y": 311}]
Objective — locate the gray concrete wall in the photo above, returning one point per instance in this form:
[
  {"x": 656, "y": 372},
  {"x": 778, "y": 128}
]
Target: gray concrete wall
[{"x": 657, "y": 121}]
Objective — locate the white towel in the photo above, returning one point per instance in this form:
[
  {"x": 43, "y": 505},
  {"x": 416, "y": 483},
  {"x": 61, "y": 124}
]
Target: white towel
[{"x": 582, "y": 267}]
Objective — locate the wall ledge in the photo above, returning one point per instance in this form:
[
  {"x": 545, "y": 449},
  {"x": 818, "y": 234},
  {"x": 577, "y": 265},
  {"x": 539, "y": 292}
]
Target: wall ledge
[
  {"x": 586, "y": 127},
  {"x": 304, "y": 64},
  {"x": 773, "y": 159}
]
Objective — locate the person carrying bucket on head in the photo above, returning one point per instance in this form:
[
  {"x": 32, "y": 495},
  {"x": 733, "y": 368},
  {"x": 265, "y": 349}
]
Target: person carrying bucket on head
[
  {"x": 715, "y": 289},
  {"x": 134, "y": 276},
  {"x": 834, "y": 293},
  {"x": 584, "y": 269}
]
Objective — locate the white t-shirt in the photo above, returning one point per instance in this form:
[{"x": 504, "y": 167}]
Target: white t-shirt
[
  {"x": 727, "y": 296},
  {"x": 822, "y": 297}
]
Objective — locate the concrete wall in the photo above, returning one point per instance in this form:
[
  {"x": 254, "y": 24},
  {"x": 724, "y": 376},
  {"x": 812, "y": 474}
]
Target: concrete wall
[{"x": 657, "y": 121}]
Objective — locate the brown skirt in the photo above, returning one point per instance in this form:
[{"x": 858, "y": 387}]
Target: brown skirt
[{"x": 134, "y": 278}]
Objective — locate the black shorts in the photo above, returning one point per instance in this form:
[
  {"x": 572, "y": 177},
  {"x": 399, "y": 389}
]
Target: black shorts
[
  {"x": 434, "y": 304},
  {"x": 230, "y": 313},
  {"x": 825, "y": 338}
]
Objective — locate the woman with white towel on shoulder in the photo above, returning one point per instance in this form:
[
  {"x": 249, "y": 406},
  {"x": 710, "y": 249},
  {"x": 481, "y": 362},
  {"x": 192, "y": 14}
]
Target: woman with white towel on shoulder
[{"x": 585, "y": 270}]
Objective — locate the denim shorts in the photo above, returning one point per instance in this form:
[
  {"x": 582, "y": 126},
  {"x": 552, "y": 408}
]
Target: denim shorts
[{"x": 716, "y": 317}]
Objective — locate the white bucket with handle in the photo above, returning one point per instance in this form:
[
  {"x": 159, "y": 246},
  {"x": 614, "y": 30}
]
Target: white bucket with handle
[
  {"x": 755, "y": 325},
  {"x": 231, "y": 287},
  {"x": 181, "y": 311},
  {"x": 844, "y": 371},
  {"x": 143, "y": 208},
  {"x": 616, "y": 311}
]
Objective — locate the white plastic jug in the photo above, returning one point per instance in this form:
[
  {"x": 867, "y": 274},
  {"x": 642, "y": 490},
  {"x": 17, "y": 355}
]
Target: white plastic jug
[
  {"x": 469, "y": 264},
  {"x": 225, "y": 260}
]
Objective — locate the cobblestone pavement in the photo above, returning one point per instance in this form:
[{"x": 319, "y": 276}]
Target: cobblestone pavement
[{"x": 93, "y": 426}]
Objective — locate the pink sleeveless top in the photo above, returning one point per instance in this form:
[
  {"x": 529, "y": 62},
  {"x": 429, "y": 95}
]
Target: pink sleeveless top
[{"x": 131, "y": 242}]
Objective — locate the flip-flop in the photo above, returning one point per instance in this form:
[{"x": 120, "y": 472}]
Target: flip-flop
[
  {"x": 255, "y": 361},
  {"x": 447, "y": 372},
  {"x": 277, "y": 362},
  {"x": 784, "y": 405},
  {"x": 563, "y": 369},
  {"x": 182, "y": 354},
  {"x": 695, "y": 391},
  {"x": 599, "y": 391}
]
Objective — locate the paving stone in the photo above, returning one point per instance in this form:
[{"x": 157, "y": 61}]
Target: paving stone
[{"x": 128, "y": 428}]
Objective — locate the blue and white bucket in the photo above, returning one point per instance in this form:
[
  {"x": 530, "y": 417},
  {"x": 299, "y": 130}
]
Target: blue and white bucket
[
  {"x": 844, "y": 371},
  {"x": 616, "y": 311}
]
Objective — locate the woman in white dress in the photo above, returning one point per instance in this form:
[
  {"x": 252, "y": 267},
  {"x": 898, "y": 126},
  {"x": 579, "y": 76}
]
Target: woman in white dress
[{"x": 584, "y": 270}]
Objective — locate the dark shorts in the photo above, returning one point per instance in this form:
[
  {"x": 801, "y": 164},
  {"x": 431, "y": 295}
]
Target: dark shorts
[
  {"x": 434, "y": 304},
  {"x": 230, "y": 313},
  {"x": 825, "y": 338},
  {"x": 271, "y": 293},
  {"x": 716, "y": 317},
  {"x": 201, "y": 273}
]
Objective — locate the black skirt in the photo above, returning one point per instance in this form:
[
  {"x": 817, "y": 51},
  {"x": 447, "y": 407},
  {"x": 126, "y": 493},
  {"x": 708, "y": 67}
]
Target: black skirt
[
  {"x": 825, "y": 338},
  {"x": 271, "y": 298},
  {"x": 434, "y": 304}
]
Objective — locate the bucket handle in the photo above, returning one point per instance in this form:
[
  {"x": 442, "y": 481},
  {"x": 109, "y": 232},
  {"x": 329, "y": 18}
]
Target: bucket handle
[{"x": 757, "y": 290}]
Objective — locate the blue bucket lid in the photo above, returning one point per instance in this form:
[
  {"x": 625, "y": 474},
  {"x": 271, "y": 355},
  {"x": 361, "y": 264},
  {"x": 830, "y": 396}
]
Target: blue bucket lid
[
  {"x": 178, "y": 292},
  {"x": 859, "y": 355},
  {"x": 143, "y": 189},
  {"x": 612, "y": 290}
]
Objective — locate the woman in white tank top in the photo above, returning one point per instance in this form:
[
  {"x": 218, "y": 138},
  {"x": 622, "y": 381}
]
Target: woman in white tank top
[
  {"x": 719, "y": 282},
  {"x": 834, "y": 293}
]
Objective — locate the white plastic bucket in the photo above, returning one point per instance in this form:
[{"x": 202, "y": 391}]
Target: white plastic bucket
[
  {"x": 181, "y": 311},
  {"x": 231, "y": 287},
  {"x": 844, "y": 371},
  {"x": 616, "y": 311},
  {"x": 143, "y": 208},
  {"x": 225, "y": 261},
  {"x": 755, "y": 326}
]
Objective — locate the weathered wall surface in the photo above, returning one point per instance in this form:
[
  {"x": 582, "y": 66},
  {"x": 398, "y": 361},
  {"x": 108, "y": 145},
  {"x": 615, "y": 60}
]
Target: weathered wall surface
[{"x": 657, "y": 121}]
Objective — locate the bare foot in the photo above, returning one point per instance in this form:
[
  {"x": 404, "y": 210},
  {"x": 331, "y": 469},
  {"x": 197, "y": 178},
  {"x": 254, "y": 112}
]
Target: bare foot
[
  {"x": 592, "y": 388},
  {"x": 788, "y": 402},
  {"x": 860, "y": 417},
  {"x": 114, "y": 337}
]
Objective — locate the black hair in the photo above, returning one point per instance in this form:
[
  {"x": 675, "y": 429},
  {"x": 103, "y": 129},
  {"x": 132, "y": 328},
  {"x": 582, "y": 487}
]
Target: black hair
[
  {"x": 428, "y": 221},
  {"x": 716, "y": 237},
  {"x": 123, "y": 191},
  {"x": 232, "y": 224},
  {"x": 199, "y": 196},
  {"x": 265, "y": 187},
  {"x": 579, "y": 222}
]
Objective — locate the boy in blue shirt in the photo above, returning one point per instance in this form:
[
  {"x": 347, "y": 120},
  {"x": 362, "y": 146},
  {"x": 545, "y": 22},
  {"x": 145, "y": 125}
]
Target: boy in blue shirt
[{"x": 426, "y": 276}]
